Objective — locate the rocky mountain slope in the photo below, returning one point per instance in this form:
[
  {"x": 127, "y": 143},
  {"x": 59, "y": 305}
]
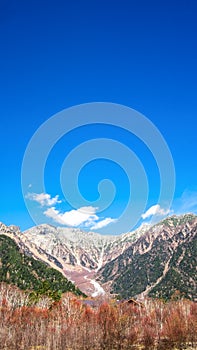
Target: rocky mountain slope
[
  {"x": 30, "y": 274},
  {"x": 160, "y": 262},
  {"x": 152, "y": 261},
  {"x": 78, "y": 254}
]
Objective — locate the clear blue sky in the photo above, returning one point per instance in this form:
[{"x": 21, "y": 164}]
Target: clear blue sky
[{"x": 57, "y": 54}]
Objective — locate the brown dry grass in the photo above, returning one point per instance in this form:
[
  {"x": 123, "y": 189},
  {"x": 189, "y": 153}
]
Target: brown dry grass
[{"x": 70, "y": 325}]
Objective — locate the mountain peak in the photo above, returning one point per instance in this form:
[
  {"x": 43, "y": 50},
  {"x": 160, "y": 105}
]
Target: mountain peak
[
  {"x": 176, "y": 220},
  {"x": 152, "y": 259}
]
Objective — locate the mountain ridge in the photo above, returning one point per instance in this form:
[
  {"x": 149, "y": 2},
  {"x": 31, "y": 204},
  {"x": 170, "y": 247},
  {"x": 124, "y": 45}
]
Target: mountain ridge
[
  {"x": 30, "y": 274},
  {"x": 93, "y": 261},
  {"x": 153, "y": 261}
]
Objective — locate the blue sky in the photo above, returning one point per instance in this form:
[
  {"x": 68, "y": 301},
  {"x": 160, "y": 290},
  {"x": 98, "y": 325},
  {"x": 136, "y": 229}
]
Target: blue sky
[{"x": 58, "y": 54}]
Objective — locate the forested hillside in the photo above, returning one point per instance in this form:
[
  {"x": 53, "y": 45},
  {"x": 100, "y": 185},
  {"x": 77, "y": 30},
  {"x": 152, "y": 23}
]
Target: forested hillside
[{"x": 28, "y": 273}]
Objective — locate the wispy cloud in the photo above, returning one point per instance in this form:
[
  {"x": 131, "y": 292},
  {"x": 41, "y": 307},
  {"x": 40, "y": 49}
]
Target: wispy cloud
[
  {"x": 155, "y": 210},
  {"x": 103, "y": 223},
  {"x": 186, "y": 203},
  {"x": 44, "y": 199}
]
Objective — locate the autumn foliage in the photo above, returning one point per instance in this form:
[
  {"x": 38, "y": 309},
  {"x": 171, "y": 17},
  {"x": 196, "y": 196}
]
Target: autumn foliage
[{"x": 69, "y": 324}]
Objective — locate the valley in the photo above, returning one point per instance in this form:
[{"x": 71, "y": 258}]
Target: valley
[{"x": 154, "y": 261}]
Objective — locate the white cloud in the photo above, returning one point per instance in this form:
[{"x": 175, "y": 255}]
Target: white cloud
[
  {"x": 74, "y": 218},
  {"x": 103, "y": 223},
  {"x": 85, "y": 216},
  {"x": 44, "y": 199},
  {"x": 155, "y": 210}
]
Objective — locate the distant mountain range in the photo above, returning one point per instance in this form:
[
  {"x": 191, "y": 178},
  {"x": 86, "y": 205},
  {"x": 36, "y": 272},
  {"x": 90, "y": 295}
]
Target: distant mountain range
[{"x": 153, "y": 260}]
